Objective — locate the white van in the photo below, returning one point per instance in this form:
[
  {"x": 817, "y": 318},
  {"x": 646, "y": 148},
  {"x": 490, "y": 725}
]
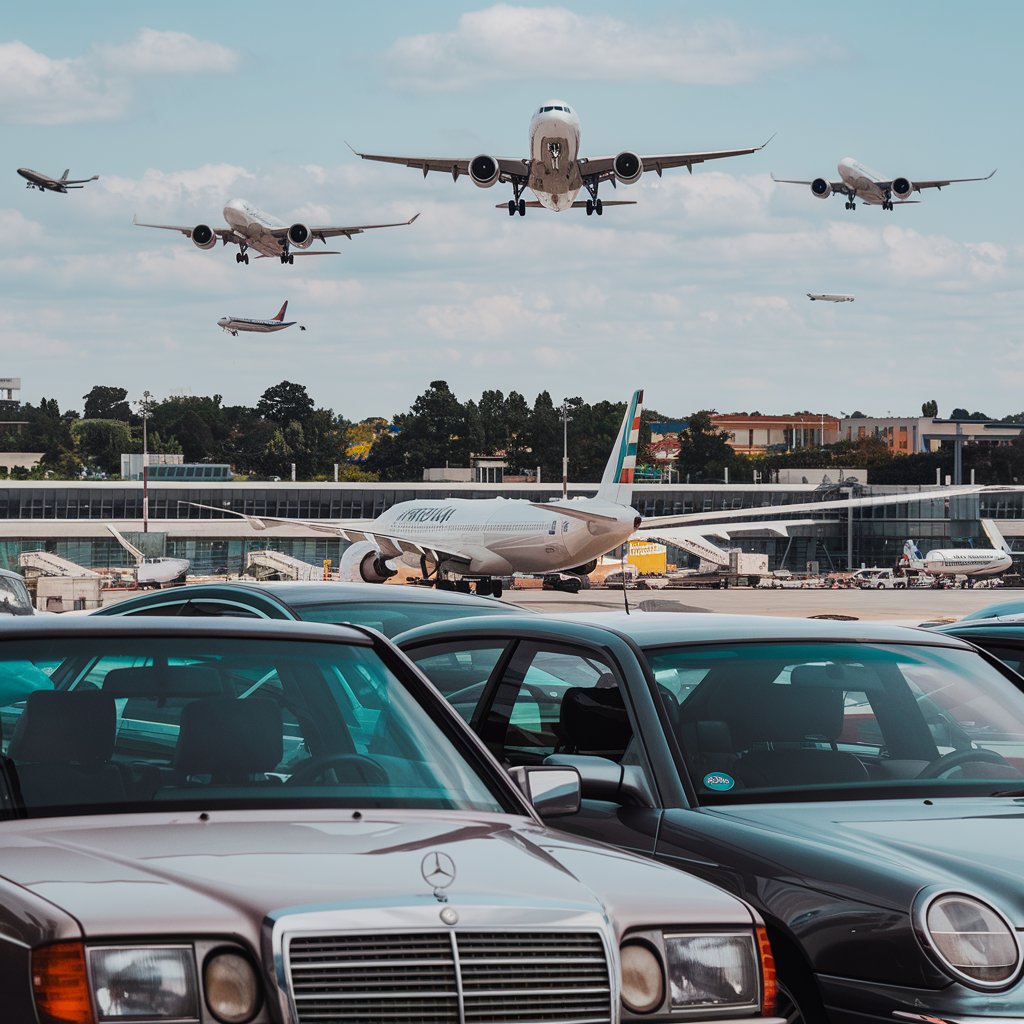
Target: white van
[{"x": 878, "y": 579}]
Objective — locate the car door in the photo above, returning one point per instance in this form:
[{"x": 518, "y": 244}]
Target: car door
[{"x": 537, "y": 701}]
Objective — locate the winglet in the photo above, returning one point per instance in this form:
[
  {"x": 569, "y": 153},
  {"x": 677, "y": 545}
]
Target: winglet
[
  {"x": 135, "y": 218},
  {"x": 354, "y": 150},
  {"x": 766, "y": 141},
  {"x": 412, "y": 218},
  {"x": 989, "y": 176},
  {"x": 96, "y": 177}
]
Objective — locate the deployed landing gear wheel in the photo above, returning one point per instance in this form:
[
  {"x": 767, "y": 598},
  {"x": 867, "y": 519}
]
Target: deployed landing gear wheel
[
  {"x": 483, "y": 588},
  {"x": 512, "y": 207},
  {"x": 522, "y": 207},
  {"x": 496, "y": 588},
  {"x": 590, "y": 207},
  {"x": 238, "y": 257},
  {"x": 598, "y": 207}
]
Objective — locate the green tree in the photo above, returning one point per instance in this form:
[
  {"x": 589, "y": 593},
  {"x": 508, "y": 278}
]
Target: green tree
[
  {"x": 704, "y": 450},
  {"x": 106, "y": 403},
  {"x": 285, "y": 403},
  {"x": 930, "y": 408},
  {"x": 100, "y": 443}
]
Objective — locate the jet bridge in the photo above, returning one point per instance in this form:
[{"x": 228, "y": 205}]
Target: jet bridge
[{"x": 45, "y": 563}]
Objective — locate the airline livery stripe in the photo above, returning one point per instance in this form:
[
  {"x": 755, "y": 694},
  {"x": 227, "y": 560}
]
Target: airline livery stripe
[{"x": 627, "y": 451}]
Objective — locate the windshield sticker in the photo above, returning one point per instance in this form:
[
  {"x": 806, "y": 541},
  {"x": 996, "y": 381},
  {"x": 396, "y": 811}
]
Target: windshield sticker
[{"x": 719, "y": 781}]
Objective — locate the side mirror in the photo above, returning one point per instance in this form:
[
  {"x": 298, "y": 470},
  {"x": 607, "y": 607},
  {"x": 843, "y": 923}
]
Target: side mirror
[
  {"x": 604, "y": 779},
  {"x": 553, "y": 790}
]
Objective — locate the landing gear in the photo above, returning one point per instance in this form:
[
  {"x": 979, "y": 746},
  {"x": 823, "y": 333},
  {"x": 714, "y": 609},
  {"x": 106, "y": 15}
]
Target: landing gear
[
  {"x": 887, "y": 204},
  {"x": 850, "y": 204},
  {"x": 517, "y": 204},
  {"x": 594, "y": 205},
  {"x": 287, "y": 257},
  {"x": 242, "y": 256}
]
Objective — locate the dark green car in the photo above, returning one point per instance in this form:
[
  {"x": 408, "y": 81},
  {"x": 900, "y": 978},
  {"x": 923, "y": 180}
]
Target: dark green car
[{"x": 861, "y": 784}]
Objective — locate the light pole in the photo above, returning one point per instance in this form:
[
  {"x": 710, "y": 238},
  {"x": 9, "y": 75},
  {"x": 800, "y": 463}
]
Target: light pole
[
  {"x": 145, "y": 407},
  {"x": 565, "y": 449}
]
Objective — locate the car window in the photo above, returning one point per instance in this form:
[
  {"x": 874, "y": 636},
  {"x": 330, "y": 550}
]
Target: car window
[
  {"x": 196, "y": 609},
  {"x": 842, "y": 716},
  {"x": 223, "y": 721}
]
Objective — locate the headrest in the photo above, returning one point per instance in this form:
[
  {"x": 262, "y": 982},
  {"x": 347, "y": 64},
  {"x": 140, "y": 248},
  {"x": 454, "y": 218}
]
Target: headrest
[
  {"x": 223, "y": 735},
  {"x": 56, "y": 725},
  {"x": 594, "y": 719},
  {"x": 786, "y": 713},
  {"x": 158, "y": 681}
]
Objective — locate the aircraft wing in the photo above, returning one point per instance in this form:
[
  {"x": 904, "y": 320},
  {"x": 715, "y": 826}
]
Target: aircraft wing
[
  {"x": 224, "y": 234},
  {"x": 508, "y": 168},
  {"x": 80, "y": 182},
  {"x": 918, "y": 185},
  {"x": 602, "y": 166},
  {"x": 659, "y": 522},
  {"x": 323, "y": 233},
  {"x": 391, "y": 546},
  {"x": 836, "y": 186}
]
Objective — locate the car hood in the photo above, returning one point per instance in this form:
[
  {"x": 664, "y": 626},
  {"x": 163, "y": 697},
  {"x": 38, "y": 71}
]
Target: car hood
[
  {"x": 226, "y": 872},
  {"x": 897, "y": 846}
]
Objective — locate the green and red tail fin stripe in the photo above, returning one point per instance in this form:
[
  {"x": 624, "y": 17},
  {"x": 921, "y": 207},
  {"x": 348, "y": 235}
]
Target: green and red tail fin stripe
[{"x": 617, "y": 481}]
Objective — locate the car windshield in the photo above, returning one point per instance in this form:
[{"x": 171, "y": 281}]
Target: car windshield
[
  {"x": 129, "y": 723},
  {"x": 753, "y": 720},
  {"x": 398, "y": 616}
]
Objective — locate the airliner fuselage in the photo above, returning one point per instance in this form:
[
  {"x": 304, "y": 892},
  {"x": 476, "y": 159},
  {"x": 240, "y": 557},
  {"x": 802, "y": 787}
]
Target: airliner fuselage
[
  {"x": 966, "y": 562},
  {"x": 507, "y": 534},
  {"x": 555, "y": 177}
]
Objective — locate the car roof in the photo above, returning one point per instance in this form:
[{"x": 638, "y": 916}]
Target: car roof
[
  {"x": 1008, "y": 628},
  {"x": 55, "y": 626},
  {"x": 657, "y": 629},
  {"x": 301, "y": 593}
]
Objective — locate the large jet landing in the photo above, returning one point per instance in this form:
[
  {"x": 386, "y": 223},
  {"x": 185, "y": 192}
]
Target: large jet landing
[{"x": 555, "y": 171}]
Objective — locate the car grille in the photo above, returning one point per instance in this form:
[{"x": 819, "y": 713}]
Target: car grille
[{"x": 451, "y": 978}]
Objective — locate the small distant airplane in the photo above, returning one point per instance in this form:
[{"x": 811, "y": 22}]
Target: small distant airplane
[
  {"x": 45, "y": 183},
  {"x": 860, "y": 182},
  {"x": 234, "y": 324},
  {"x": 554, "y": 171},
  {"x": 968, "y": 562},
  {"x": 826, "y": 297},
  {"x": 251, "y": 228},
  {"x": 152, "y": 572}
]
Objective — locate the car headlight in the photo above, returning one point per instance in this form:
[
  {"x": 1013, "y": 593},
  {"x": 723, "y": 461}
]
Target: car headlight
[
  {"x": 695, "y": 971},
  {"x": 140, "y": 982},
  {"x": 971, "y": 939},
  {"x": 713, "y": 970},
  {"x": 231, "y": 988}
]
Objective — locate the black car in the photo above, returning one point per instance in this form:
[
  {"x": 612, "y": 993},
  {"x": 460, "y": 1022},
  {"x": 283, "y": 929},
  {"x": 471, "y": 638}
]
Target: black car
[
  {"x": 861, "y": 784},
  {"x": 1001, "y": 637},
  {"x": 389, "y": 608}
]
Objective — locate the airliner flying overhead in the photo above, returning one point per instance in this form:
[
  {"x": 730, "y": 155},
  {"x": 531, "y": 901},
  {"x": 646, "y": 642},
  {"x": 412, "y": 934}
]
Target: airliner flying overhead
[
  {"x": 969, "y": 562},
  {"x": 234, "y": 324},
  {"x": 45, "y": 183},
  {"x": 478, "y": 539},
  {"x": 251, "y": 228},
  {"x": 828, "y": 297},
  {"x": 554, "y": 171},
  {"x": 860, "y": 182}
]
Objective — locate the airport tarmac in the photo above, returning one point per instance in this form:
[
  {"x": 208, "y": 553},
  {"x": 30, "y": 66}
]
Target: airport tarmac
[{"x": 909, "y": 607}]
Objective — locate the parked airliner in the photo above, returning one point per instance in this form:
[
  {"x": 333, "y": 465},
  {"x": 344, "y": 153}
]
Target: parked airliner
[
  {"x": 45, "y": 183},
  {"x": 234, "y": 324},
  {"x": 969, "y": 562},
  {"x": 860, "y": 182},
  {"x": 152, "y": 572},
  {"x": 828, "y": 297},
  {"x": 251, "y": 228},
  {"x": 554, "y": 171},
  {"x": 478, "y": 539}
]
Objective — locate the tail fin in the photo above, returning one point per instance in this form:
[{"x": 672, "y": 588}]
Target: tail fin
[
  {"x": 617, "y": 482},
  {"x": 911, "y": 552},
  {"x": 126, "y": 544},
  {"x": 64, "y": 176},
  {"x": 280, "y": 312},
  {"x": 993, "y": 534}
]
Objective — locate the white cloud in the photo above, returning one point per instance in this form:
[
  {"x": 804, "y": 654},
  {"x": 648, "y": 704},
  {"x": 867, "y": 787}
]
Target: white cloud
[
  {"x": 510, "y": 42},
  {"x": 153, "y": 52},
  {"x": 98, "y": 86}
]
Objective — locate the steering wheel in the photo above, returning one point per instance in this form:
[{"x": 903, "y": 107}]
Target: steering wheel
[
  {"x": 360, "y": 768},
  {"x": 955, "y": 758}
]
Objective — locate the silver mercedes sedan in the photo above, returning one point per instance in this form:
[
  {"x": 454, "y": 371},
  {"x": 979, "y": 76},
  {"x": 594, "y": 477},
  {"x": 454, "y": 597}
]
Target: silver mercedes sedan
[{"x": 244, "y": 821}]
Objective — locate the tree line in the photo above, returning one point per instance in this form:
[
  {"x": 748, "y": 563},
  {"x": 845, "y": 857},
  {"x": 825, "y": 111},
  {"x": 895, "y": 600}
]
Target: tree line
[{"x": 287, "y": 428}]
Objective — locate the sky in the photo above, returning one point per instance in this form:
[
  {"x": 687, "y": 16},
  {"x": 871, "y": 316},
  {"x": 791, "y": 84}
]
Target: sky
[{"x": 697, "y": 293}]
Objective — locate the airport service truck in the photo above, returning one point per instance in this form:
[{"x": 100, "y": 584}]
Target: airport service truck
[{"x": 878, "y": 579}]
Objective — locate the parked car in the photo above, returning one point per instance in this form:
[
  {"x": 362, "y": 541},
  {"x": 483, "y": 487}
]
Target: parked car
[
  {"x": 569, "y": 582},
  {"x": 14, "y": 596},
  {"x": 878, "y": 579},
  {"x": 390, "y": 608},
  {"x": 861, "y": 784},
  {"x": 1001, "y": 637},
  {"x": 256, "y": 854}
]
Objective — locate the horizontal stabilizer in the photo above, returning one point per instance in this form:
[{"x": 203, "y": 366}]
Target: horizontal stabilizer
[
  {"x": 573, "y": 513},
  {"x": 316, "y": 252}
]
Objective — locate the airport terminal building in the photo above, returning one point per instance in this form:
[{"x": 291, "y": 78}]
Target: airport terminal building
[{"x": 70, "y": 518}]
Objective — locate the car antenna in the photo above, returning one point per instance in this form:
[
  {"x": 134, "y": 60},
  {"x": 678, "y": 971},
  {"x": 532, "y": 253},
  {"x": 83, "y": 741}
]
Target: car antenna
[{"x": 622, "y": 573}]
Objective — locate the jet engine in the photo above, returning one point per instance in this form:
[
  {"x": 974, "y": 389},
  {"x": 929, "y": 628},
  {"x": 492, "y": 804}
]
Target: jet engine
[
  {"x": 300, "y": 237},
  {"x": 628, "y": 167},
  {"x": 203, "y": 236},
  {"x": 363, "y": 561},
  {"x": 902, "y": 187},
  {"x": 484, "y": 170},
  {"x": 584, "y": 570},
  {"x": 821, "y": 188}
]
